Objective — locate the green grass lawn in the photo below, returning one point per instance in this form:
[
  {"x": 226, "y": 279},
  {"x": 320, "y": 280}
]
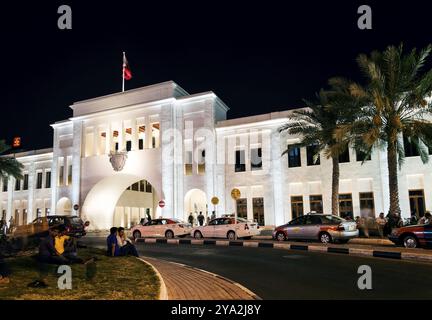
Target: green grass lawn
[{"x": 114, "y": 279}]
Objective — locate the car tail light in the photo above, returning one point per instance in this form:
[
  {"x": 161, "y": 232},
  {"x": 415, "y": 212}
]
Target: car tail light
[{"x": 246, "y": 227}]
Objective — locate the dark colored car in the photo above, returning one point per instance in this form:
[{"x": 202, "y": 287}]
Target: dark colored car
[
  {"x": 75, "y": 227},
  {"x": 413, "y": 236}
]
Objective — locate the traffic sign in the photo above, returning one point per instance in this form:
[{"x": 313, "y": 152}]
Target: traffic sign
[
  {"x": 162, "y": 203},
  {"x": 235, "y": 193},
  {"x": 215, "y": 201}
]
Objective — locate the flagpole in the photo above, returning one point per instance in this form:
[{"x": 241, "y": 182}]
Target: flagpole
[{"x": 123, "y": 79}]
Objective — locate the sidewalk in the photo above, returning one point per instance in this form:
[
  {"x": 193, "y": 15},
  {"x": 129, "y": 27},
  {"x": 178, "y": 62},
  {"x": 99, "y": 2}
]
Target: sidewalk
[{"x": 187, "y": 283}]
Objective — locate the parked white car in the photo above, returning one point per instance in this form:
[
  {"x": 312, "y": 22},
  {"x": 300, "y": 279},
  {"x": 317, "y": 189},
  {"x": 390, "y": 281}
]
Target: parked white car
[
  {"x": 226, "y": 228},
  {"x": 168, "y": 228}
]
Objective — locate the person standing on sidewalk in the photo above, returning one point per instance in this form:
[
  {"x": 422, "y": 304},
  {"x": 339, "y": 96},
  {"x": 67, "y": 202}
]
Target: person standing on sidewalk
[
  {"x": 426, "y": 219},
  {"x": 201, "y": 219},
  {"x": 381, "y": 222},
  {"x": 191, "y": 219}
]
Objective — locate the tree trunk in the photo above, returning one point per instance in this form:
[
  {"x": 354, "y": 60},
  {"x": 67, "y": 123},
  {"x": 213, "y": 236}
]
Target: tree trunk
[
  {"x": 335, "y": 186},
  {"x": 393, "y": 179}
]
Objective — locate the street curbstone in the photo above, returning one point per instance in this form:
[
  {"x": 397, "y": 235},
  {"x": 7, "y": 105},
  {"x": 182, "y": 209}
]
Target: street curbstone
[
  {"x": 396, "y": 255},
  {"x": 222, "y": 243},
  {"x": 163, "y": 292},
  {"x": 387, "y": 254},
  {"x": 251, "y": 244},
  {"x": 317, "y": 249}
]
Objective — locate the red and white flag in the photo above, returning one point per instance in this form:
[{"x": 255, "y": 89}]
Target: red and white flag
[{"x": 127, "y": 73}]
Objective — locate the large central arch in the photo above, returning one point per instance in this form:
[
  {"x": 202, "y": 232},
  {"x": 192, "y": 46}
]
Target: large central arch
[{"x": 100, "y": 202}]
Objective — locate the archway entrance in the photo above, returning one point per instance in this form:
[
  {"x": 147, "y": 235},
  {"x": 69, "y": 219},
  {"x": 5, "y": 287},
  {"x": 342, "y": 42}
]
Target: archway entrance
[
  {"x": 195, "y": 201},
  {"x": 110, "y": 195},
  {"x": 138, "y": 201},
  {"x": 64, "y": 206}
]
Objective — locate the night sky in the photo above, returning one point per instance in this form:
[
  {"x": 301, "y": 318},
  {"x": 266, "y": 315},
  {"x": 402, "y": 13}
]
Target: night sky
[{"x": 257, "y": 57}]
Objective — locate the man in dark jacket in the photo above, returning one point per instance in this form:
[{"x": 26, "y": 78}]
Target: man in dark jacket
[
  {"x": 201, "y": 219},
  {"x": 47, "y": 251}
]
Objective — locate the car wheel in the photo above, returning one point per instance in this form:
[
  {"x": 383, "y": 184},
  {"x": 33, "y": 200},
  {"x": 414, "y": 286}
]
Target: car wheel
[
  {"x": 198, "y": 235},
  {"x": 136, "y": 234},
  {"x": 325, "y": 237},
  {"x": 231, "y": 235},
  {"x": 410, "y": 241},
  {"x": 280, "y": 236},
  {"x": 169, "y": 234}
]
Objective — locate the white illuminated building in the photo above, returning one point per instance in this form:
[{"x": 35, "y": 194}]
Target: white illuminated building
[{"x": 180, "y": 148}]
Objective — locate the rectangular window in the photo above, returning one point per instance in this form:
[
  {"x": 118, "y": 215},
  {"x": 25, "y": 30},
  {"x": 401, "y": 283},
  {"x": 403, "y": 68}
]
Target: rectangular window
[
  {"x": 313, "y": 158},
  {"x": 188, "y": 163},
  {"x": 5, "y": 184},
  {"x": 346, "y": 206},
  {"x": 201, "y": 161},
  {"x": 142, "y": 186},
  {"x": 256, "y": 159},
  {"x": 38, "y": 213},
  {"x": 417, "y": 202},
  {"x": 141, "y": 144},
  {"x": 294, "y": 158},
  {"x": 128, "y": 145},
  {"x": 17, "y": 217},
  {"x": 155, "y": 134},
  {"x": 61, "y": 176},
  {"x": 240, "y": 165},
  {"x": 69, "y": 180},
  {"x": 39, "y": 180},
  {"x": 316, "y": 203},
  {"x": 361, "y": 156},
  {"x": 141, "y": 137},
  {"x": 242, "y": 208},
  {"x": 148, "y": 187},
  {"x": 25, "y": 182},
  {"x": 47, "y": 212},
  {"x": 367, "y": 204},
  {"x": 410, "y": 148},
  {"x": 48, "y": 179},
  {"x": 296, "y": 206},
  {"x": 17, "y": 185},
  {"x": 344, "y": 156},
  {"x": 258, "y": 210}
]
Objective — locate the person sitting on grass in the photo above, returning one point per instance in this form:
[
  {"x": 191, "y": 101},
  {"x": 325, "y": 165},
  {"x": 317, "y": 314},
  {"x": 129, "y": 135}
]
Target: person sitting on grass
[
  {"x": 65, "y": 246},
  {"x": 126, "y": 246},
  {"x": 113, "y": 249}
]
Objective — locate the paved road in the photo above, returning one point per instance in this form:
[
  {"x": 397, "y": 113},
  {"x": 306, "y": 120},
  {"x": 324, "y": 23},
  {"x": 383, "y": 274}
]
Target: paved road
[{"x": 282, "y": 274}]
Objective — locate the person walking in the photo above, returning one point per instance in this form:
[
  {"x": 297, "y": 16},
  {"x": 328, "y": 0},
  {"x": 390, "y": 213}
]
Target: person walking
[
  {"x": 201, "y": 219},
  {"x": 381, "y": 222},
  {"x": 11, "y": 224},
  {"x": 191, "y": 219}
]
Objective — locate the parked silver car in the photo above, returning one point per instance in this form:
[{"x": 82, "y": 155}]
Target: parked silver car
[{"x": 325, "y": 228}]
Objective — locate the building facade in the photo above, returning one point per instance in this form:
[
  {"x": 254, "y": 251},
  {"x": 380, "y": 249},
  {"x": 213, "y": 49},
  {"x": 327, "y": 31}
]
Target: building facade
[{"x": 158, "y": 150}]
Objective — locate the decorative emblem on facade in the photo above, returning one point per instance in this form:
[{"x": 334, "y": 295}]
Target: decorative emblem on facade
[{"x": 118, "y": 159}]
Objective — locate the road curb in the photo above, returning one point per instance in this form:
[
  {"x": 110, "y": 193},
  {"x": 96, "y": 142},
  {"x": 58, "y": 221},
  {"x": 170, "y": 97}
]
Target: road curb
[
  {"x": 394, "y": 255},
  {"x": 163, "y": 292}
]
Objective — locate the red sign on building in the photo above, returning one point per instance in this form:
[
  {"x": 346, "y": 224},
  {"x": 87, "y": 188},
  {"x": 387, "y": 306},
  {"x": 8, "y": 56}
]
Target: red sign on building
[{"x": 161, "y": 203}]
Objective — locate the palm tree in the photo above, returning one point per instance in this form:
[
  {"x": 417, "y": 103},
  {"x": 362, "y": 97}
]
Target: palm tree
[
  {"x": 9, "y": 166},
  {"x": 397, "y": 93},
  {"x": 316, "y": 126}
]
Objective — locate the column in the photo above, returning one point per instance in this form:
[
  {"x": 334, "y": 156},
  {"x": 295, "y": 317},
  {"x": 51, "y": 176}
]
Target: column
[
  {"x": 276, "y": 172},
  {"x": 54, "y": 172},
  {"x": 95, "y": 140},
  {"x": 148, "y": 133},
  {"x": 31, "y": 214},
  {"x": 121, "y": 137},
  {"x": 76, "y": 165},
  {"x": 10, "y": 206},
  {"x": 167, "y": 165},
  {"x": 134, "y": 134}
]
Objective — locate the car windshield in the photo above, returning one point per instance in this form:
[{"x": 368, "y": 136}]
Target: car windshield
[
  {"x": 330, "y": 219},
  {"x": 75, "y": 220}
]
